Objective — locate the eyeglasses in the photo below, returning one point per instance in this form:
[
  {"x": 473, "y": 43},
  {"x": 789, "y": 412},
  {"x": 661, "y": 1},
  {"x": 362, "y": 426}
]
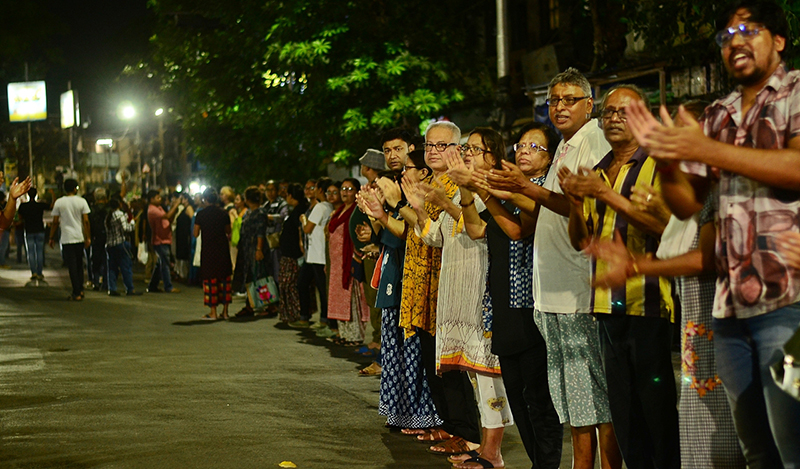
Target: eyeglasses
[
  {"x": 568, "y": 101},
  {"x": 406, "y": 167},
  {"x": 439, "y": 146},
  {"x": 518, "y": 147},
  {"x": 607, "y": 114},
  {"x": 332, "y": 193},
  {"x": 746, "y": 31},
  {"x": 348, "y": 189},
  {"x": 311, "y": 188},
  {"x": 388, "y": 151},
  {"x": 474, "y": 150}
]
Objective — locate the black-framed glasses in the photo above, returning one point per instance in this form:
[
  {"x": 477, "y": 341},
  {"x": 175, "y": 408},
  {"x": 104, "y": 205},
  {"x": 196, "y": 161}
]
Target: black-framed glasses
[
  {"x": 439, "y": 146},
  {"x": 567, "y": 100},
  {"x": 746, "y": 31},
  {"x": 474, "y": 150},
  {"x": 518, "y": 147},
  {"x": 407, "y": 167},
  {"x": 607, "y": 114}
]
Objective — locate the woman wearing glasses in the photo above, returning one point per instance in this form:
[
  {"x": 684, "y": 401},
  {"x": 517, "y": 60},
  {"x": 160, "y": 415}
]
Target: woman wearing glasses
[
  {"x": 346, "y": 302},
  {"x": 464, "y": 312}
]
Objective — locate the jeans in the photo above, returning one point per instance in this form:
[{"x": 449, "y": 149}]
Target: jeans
[
  {"x": 4, "y": 239},
  {"x": 161, "y": 270},
  {"x": 99, "y": 262},
  {"x": 73, "y": 257},
  {"x": 35, "y": 245},
  {"x": 119, "y": 260},
  {"x": 767, "y": 419}
]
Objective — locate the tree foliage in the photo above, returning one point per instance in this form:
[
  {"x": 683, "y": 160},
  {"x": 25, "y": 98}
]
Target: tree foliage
[{"x": 275, "y": 88}]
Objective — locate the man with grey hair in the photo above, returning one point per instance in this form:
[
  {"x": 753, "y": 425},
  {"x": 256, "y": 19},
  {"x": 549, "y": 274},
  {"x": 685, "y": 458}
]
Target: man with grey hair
[
  {"x": 561, "y": 289},
  {"x": 634, "y": 319}
]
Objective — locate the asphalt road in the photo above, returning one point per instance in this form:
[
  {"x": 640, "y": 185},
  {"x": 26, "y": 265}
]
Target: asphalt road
[{"x": 141, "y": 382}]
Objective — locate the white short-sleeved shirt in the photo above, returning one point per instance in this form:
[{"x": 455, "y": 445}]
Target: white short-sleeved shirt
[
  {"x": 562, "y": 275},
  {"x": 319, "y": 216},
  {"x": 70, "y": 210}
]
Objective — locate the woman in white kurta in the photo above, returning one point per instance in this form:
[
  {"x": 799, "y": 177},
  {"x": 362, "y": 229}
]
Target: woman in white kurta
[{"x": 462, "y": 339}]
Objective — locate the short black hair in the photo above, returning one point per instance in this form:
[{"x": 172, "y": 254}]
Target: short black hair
[
  {"x": 323, "y": 184},
  {"x": 152, "y": 193},
  {"x": 70, "y": 185},
  {"x": 210, "y": 195},
  {"x": 397, "y": 132},
  {"x": 765, "y": 12},
  {"x": 32, "y": 193}
]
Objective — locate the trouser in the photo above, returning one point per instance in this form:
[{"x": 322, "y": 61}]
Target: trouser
[
  {"x": 4, "y": 240},
  {"x": 452, "y": 394},
  {"x": 313, "y": 274},
  {"x": 371, "y": 294},
  {"x": 73, "y": 258},
  {"x": 767, "y": 419},
  {"x": 637, "y": 358},
  {"x": 19, "y": 240},
  {"x": 161, "y": 269},
  {"x": 528, "y": 393},
  {"x": 35, "y": 247},
  {"x": 99, "y": 263},
  {"x": 87, "y": 252},
  {"x": 120, "y": 263}
]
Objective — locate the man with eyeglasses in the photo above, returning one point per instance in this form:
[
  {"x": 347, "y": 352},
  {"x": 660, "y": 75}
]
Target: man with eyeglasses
[
  {"x": 635, "y": 321},
  {"x": 749, "y": 141},
  {"x": 561, "y": 288}
]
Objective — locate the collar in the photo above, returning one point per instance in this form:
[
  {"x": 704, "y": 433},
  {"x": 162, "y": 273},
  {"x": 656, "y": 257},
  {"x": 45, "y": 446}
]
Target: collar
[
  {"x": 637, "y": 158},
  {"x": 582, "y": 132}
]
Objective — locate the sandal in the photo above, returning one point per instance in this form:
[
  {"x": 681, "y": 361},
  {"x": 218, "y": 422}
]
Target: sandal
[
  {"x": 477, "y": 460},
  {"x": 455, "y": 445},
  {"x": 75, "y": 297},
  {"x": 459, "y": 458},
  {"x": 436, "y": 434},
  {"x": 372, "y": 370},
  {"x": 209, "y": 317}
]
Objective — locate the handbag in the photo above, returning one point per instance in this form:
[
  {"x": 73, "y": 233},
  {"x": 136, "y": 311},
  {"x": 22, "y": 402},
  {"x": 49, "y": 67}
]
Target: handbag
[
  {"x": 141, "y": 253},
  {"x": 786, "y": 373},
  {"x": 263, "y": 291}
]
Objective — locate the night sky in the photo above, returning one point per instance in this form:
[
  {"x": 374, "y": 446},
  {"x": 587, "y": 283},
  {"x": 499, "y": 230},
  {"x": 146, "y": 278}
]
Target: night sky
[{"x": 85, "y": 41}]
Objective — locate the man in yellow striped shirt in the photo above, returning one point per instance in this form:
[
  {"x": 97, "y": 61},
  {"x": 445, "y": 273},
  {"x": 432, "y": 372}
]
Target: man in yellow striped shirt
[{"x": 635, "y": 321}]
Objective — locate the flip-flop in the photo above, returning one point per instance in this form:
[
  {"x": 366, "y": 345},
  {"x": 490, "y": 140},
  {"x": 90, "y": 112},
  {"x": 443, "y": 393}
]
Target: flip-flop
[
  {"x": 208, "y": 317},
  {"x": 364, "y": 349},
  {"x": 483, "y": 462},
  {"x": 470, "y": 454}
]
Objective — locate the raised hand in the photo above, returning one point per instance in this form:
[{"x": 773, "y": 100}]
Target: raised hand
[
  {"x": 672, "y": 141},
  {"x": 390, "y": 190},
  {"x": 480, "y": 181},
  {"x": 564, "y": 176},
  {"x": 510, "y": 178},
  {"x": 17, "y": 188},
  {"x": 414, "y": 195},
  {"x": 364, "y": 232},
  {"x": 584, "y": 183},
  {"x": 647, "y": 199},
  {"x": 617, "y": 259},
  {"x": 458, "y": 171}
]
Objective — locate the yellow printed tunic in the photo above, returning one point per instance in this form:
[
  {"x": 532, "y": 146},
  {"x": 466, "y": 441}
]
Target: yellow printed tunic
[
  {"x": 642, "y": 295},
  {"x": 421, "y": 274}
]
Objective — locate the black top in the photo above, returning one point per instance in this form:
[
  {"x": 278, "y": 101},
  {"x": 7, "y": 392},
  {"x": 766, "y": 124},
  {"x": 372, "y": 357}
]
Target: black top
[
  {"x": 290, "y": 235},
  {"x": 513, "y": 329},
  {"x": 215, "y": 255},
  {"x": 32, "y": 213}
]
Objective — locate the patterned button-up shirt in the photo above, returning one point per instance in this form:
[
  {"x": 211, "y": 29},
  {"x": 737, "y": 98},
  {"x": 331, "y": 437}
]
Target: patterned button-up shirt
[
  {"x": 117, "y": 227},
  {"x": 753, "y": 277}
]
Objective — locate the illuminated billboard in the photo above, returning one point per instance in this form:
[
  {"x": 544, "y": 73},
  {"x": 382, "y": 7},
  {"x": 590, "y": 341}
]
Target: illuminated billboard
[
  {"x": 27, "y": 101},
  {"x": 67, "y": 110}
]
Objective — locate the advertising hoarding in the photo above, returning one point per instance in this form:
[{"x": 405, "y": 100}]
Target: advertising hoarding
[{"x": 27, "y": 101}]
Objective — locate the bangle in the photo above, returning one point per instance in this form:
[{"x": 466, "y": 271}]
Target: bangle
[
  {"x": 489, "y": 196},
  {"x": 472, "y": 201}
]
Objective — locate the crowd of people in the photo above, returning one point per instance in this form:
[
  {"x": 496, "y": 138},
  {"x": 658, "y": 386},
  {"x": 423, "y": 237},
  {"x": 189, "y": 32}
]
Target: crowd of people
[{"x": 532, "y": 282}]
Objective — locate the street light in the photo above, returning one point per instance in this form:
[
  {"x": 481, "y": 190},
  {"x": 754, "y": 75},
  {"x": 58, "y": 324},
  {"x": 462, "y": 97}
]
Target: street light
[
  {"x": 159, "y": 111},
  {"x": 127, "y": 112}
]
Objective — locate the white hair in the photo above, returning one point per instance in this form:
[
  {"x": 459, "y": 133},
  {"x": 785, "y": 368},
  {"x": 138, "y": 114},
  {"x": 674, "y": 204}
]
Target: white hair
[{"x": 454, "y": 130}]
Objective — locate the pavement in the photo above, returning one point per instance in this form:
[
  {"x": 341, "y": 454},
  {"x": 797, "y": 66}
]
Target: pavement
[{"x": 142, "y": 382}]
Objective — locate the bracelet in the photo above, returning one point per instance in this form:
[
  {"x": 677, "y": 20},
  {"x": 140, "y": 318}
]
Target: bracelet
[
  {"x": 472, "y": 201},
  {"x": 489, "y": 196}
]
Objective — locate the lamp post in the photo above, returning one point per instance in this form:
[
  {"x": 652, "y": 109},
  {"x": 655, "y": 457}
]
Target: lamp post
[{"x": 128, "y": 113}]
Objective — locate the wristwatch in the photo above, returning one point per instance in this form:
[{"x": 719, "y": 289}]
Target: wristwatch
[{"x": 400, "y": 205}]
